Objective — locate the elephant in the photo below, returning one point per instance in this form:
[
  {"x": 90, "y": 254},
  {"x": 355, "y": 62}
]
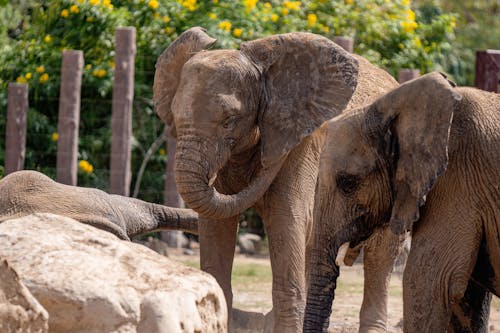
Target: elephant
[
  {"x": 424, "y": 158},
  {"x": 247, "y": 127},
  {"x": 27, "y": 192}
]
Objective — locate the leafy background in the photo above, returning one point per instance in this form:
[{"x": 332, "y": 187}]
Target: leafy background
[{"x": 424, "y": 35}]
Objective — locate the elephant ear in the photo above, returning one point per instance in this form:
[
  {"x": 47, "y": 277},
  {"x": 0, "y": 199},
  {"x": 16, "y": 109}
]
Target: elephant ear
[
  {"x": 169, "y": 68},
  {"x": 308, "y": 79},
  {"x": 418, "y": 115}
]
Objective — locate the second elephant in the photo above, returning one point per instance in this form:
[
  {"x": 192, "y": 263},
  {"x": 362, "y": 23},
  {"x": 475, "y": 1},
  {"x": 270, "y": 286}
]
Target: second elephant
[
  {"x": 246, "y": 124},
  {"x": 28, "y": 192}
]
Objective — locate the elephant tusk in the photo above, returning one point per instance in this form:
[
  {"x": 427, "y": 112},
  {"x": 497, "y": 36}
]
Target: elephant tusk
[
  {"x": 211, "y": 181},
  {"x": 339, "y": 260}
]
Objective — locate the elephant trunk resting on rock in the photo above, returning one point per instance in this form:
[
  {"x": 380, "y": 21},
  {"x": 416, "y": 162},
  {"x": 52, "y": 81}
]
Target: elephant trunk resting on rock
[
  {"x": 246, "y": 124},
  {"x": 425, "y": 157},
  {"x": 26, "y": 192}
]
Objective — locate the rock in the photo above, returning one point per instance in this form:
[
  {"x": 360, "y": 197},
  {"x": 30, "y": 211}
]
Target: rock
[
  {"x": 246, "y": 243},
  {"x": 90, "y": 281},
  {"x": 19, "y": 310}
]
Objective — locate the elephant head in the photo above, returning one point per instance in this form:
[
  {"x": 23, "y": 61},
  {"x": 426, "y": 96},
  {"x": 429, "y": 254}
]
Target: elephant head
[
  {"x": 378, "y": 164},
  {"x": 270, "y": 94}
]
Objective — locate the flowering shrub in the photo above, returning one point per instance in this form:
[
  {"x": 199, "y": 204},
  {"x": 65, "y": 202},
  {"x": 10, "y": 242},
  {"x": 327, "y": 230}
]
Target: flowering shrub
[{"x": 391, "y": 34}]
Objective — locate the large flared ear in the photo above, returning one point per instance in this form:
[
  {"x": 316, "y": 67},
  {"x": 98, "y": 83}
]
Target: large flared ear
[
  {"x": 418, "y": 116},
  {"x": 307, "y": 80},
  {"x": 169, "y": 67}
]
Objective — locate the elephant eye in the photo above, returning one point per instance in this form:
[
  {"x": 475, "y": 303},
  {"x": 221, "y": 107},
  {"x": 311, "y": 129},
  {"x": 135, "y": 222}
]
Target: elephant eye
[
  {"x": 229, "y": 122},
  {"x": 347, "y": 183}
]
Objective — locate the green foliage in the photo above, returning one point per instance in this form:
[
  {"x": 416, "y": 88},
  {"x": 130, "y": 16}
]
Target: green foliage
[{"x": 389, "y": 33}]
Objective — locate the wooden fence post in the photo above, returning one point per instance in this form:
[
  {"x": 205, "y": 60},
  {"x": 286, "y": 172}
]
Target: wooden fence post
[
  {"x": 121, "y": 119},
  {"x": 171, "y": 196},
  {"x": 488, "y": 70},
  {"x": 407, "y": 74},
  {"x": 69, "y": 117},
  {"x": 347, "y": 43},
  {"x": 15, "y": 134}
]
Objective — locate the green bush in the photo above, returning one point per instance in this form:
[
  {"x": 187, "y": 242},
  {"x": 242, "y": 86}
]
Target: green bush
[{"x": 389, "y": 33}]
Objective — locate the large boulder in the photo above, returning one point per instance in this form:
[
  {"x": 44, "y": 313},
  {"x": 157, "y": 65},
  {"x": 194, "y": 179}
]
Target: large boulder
[
  {"x": 90, "y": 281},
  {"x": 19, "y": 310}
]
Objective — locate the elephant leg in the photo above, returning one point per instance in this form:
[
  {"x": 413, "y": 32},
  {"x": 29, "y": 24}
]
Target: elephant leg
[
  {"x": 380, "y": 253},
  {"x": 287, "y": 247},
  {"x": 217, "y": 245},
  {"x": 471, "y": 314},
  {"x": 438, "y": 271}
]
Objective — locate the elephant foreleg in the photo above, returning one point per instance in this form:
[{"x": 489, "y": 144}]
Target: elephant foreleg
[
  {"x": 380, "y": 253},
  {"x": 217, "y": 245}
]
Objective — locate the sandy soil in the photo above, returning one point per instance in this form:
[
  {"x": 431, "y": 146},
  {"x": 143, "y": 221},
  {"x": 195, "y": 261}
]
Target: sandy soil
[{"x": 252, "y": 292}]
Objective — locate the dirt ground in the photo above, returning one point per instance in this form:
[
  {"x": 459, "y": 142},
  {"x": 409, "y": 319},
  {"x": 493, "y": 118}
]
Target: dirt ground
[{"x": 252, "y": 292}]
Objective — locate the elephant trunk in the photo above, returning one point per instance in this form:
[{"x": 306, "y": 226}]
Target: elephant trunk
[
  {"x": 194, "y": 175},
  {"x": 168, "y": 218},
  {"x": 142, "y": 217},
  {"x": 321, "y": 291}
]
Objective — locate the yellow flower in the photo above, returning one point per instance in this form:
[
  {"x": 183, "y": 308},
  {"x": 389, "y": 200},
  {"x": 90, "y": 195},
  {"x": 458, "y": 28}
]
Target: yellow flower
[
  {"x": 237, "y": 32},
  {"x": 274, "y": 17},
  {"x": 111, "y": 64},
  {"x": 311, "y": 19},
  {"x": 189, "y": 4},
  {"x": 88, "y": 66},
  {"x": 453, "y": 22},
  {"x": 107, "y": 3},
  {"x": 225, "y": 25},
  {"x": 162, "y": 151},
  {"x": 325, "y": 29},
  {"x": 99, "y": 72},
  {"x": 153, "y": 4},
  {"x": 417, "y": 42},
  {"x": 94, "y": 2},
  {"x": 85, "y": 166},
  {"x": 349, "y": 2},
  {"x": 81, "y": 1},
  {"x": 156, "y": 15},
  {"x": 64, "y": 13},
  {"x": 44, "y": 77},
  {"x": 250, "y": 5},
  {"x": 215, "y": 1},
  {"x": 410, "y": 15},
  {"x": 284, "y": 11},
  {"x": 401, "y": 46},
  {"x": 40, "y": 69},
  {"x": 405, "y": 2},
  {"x": 212, "y": 16},
  {"x": 47, "y": 39},
  {"x": 409, "y": 26},
  {"x": 28, "y": 76},
  {"x": 169, "y": 30},
  {"x": 55, "y": 136},
  {"x": 21, "y": 79},
  {"x": 292, "y": 5},
  {"x": 268, "y": 6},
  {"x": 74, "y": 9},
  {"x": 89, "y": 19},
  {"x": 166, "y": 19}
]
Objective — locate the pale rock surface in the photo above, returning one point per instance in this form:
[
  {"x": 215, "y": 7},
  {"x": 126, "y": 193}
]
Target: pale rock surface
[
  {"x": 90, "y": 281},
  {"x": 19, "y": 310}
]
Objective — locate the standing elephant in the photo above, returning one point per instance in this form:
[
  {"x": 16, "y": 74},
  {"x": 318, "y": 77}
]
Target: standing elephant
[
  {"x": 27, "y": 192},
  {"x": 425, "y": 157},
  {"x": 245, "y": 122}
]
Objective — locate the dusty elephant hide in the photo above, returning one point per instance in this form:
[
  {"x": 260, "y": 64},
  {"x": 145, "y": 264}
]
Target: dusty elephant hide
[{"x": 89, "y": 281}]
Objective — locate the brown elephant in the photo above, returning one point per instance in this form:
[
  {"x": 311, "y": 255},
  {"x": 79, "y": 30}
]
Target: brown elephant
[
  {"x": 27, "y": 192},
  {"x": 425, "y": 157},
  {"x": 245, "y": 122}
]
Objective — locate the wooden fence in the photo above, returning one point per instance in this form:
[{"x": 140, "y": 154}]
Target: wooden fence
[{"x": 487, "y": 77}]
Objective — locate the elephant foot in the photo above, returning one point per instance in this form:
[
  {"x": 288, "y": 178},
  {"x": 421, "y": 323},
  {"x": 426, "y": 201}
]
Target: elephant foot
[{"x": 247, "y": 322}]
